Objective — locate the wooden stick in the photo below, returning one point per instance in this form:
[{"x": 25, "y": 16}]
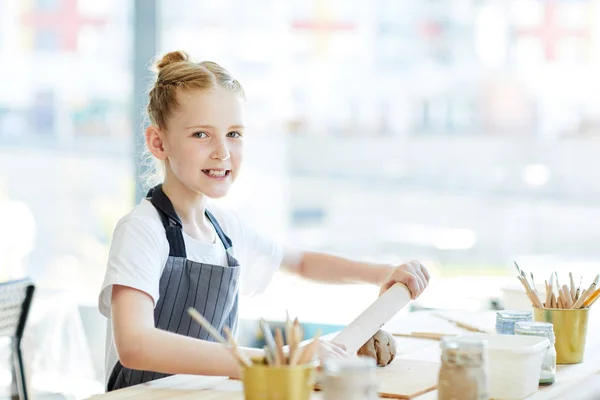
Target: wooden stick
[
  {"x": 572, "y": 289},
  {"x": 552, "y": 296},
  {"x": 214, "y": 333},
  {"x": 296, "y": 339},
  {"x": 529, "y": 296},
  {"x": 567, "y": 300},
  {"x": 536, "y": 299},
  {"x": 578, "y": 292},
  {"x": 533, "y": 297},
  {"x": 206, "y": 325},
  {"x": 270, "y": 341},
  {"x": 587, "y": 293},
  {"x": 424, "y": 335},
  {"x": 268, "y": 356},
  {"x": 308, "y": 352},
  {"x": 289, "y": 336},
  {"x": 279, "y": 345},
  {"x": 560, "y": 301},
  {"x": 241, "y": 357},
  {"x": 548, "y": 295},
  {"x": 533, "y": 282},
  {"x": 461, "y": 324}
]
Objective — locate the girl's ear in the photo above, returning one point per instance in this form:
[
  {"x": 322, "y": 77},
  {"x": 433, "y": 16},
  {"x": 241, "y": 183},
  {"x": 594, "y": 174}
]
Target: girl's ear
[{"x": 154, "y": 142}]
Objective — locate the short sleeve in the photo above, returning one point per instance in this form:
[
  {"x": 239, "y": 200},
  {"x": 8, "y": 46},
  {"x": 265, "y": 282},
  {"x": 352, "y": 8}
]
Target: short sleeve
[
  {"x": 138, "y": 253},
  {"x": 261, "y": 257}
]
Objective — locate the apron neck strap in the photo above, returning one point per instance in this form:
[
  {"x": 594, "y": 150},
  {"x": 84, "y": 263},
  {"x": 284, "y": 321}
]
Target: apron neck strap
[{"x": 171, "y": 220}]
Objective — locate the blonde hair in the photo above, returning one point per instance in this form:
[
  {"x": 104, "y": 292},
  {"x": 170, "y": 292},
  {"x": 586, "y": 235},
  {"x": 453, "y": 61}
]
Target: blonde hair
[{"x": 177, "y": 72}]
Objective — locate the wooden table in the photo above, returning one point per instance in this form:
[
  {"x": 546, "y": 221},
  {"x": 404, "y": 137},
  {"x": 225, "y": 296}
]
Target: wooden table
[{"x": 578, "y": 381}]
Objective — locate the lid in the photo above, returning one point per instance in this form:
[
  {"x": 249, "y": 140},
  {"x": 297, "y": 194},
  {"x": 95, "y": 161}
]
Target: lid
[
  {"x": 462, "y": 342},
  {"x": 516, "y": 344},
  {"x": 514, "y": 315},
  {"x": 534, "y": 328},
  {"x": 335, "y": 366},
  {"x": 463, "y": 350}
]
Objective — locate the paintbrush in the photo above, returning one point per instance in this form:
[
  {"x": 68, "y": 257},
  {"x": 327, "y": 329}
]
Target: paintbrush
[
  {"x": 517, "y": 267},
  {"x": 577, "y": 292},
  {"x": 270, "y": 342},
  {"x": 550, "y": 295},
  {"x": 237, "y": 354},
  {"x": 214, "y": 333},
  {"x": 531, "y": 293},
  {"x": 572, "y": 288}
]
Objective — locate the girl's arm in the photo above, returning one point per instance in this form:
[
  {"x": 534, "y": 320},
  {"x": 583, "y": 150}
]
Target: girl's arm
[
  {"x": 329, "y": 268},
  {"x": 141, "y": 346}
]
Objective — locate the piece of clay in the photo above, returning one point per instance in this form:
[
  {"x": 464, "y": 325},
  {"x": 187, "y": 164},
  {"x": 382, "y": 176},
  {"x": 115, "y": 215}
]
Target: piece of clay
[{"x": 381, "y": 347}]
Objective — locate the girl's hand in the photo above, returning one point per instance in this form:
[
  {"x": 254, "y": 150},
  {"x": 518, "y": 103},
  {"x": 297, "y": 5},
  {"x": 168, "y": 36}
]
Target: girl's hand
[
  {"x": 330, "y": 350},
  {"x": 413, "y": 274}
]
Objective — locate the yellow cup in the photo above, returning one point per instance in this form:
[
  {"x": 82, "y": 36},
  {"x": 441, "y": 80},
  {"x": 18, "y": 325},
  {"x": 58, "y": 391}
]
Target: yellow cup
[
  {"x": 570, "y": 330},
  {"x": 263, "y": 382}
]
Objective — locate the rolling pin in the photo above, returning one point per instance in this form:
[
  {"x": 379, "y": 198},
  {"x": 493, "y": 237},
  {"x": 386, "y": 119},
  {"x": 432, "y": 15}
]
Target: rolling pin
[{"x": 359, "y": 331}]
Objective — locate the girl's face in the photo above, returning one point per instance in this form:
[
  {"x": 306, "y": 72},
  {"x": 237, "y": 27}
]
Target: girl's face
[{"x": 204, "y": 138}]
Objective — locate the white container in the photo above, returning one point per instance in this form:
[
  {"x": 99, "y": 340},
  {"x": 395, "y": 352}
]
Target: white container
[
  {"x": 514, "y": 297},
  {"x": 514, "y": 364}
]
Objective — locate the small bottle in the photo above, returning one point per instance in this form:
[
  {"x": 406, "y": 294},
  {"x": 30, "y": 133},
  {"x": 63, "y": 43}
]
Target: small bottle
[
  {"x": 505, "y": 320},
  {"x": 352, "y": 378},
  {"x": 463, "y": 373},
  {"x": 543, "y": 329}
]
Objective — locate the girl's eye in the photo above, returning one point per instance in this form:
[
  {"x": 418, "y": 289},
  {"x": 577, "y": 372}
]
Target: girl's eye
[
  {"x": 234, "y": 134},
  {"x": 200, "y": 134}
]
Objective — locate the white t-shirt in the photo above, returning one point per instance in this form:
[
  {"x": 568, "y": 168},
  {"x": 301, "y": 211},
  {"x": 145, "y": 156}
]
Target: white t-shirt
[{"x": 139, "y": 252}]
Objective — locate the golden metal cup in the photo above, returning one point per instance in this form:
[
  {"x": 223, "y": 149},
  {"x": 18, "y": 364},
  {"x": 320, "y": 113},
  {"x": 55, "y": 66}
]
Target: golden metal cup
[
  {"x": 570, "y": 330},
  {"x": 264, "y": 382}
]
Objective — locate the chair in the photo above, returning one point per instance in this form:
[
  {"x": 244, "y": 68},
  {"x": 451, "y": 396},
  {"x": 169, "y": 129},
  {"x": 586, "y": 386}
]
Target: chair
[{"x": 15, "y": 301}]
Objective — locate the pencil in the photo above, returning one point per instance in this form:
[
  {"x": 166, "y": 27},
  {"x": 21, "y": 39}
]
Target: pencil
[{"x": 592, "y": 299}]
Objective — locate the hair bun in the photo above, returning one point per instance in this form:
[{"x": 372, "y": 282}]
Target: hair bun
[{"x": 171, "y": 58}]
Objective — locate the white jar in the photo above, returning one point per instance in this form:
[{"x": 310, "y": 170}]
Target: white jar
[
  {"x": 352, "y": 378},
  {"x": 543, "y": 329}
]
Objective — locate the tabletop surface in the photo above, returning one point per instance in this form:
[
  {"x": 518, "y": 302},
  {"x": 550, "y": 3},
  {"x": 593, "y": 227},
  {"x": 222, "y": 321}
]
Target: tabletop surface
[{"x": 579, "y": 381}]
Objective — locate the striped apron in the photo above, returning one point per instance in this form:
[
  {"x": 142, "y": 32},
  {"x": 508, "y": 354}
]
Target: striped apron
[{"x": 210, "y": 289}]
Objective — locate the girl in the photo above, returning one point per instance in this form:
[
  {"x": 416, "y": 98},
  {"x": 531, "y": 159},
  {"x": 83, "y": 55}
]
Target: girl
[{"x": 173, "y": 251}]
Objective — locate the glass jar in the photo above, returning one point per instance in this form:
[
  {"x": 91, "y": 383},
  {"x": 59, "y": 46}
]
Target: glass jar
[
  {"x": 352, "y": 378},
  {"x": 463, "y": 373},
  {"x": 505, "y": 320},
  {"x": 543, "y": 329}
]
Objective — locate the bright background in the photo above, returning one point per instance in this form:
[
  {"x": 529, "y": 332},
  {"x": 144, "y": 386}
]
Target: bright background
[{"x": 461, "y": 133}]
